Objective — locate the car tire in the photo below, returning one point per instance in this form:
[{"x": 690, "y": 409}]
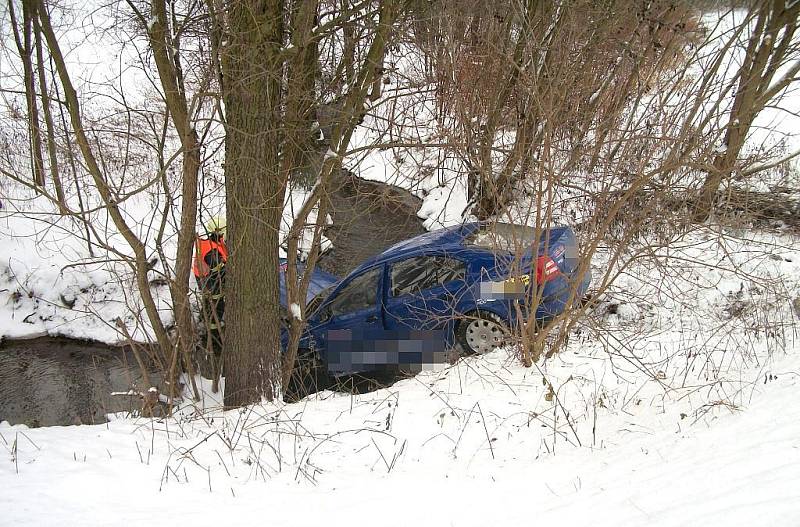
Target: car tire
[
  {"x": 310, "y": 375},
  {"x": 481, "y": 332}
]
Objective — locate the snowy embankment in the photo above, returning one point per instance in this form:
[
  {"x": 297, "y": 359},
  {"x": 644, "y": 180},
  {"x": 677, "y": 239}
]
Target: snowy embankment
[
  {"x": 677, "y": 411},
  {"x": 50, "y": 285},
  {"x": 462, "y": 447}
]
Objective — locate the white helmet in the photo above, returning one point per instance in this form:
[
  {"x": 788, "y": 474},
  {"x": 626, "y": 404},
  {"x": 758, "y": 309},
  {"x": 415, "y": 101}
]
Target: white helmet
[{"x": 216, "y": 224}]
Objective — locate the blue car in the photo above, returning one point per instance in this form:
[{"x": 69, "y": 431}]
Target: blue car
[{"x": 460, "y": 286}]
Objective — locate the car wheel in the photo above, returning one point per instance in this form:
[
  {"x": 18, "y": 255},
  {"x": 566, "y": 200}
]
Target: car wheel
[
  {"x": 310, "y": 375},
  {"x": 481, "y": 332}
]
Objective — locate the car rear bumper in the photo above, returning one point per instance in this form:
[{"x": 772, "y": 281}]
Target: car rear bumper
[{"x": 558, "y": 296}]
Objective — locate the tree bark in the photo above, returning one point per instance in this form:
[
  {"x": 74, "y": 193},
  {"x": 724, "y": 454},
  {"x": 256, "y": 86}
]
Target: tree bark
[
  {"x": 252, "y": 71},
  {"x": 48, "y": 120},
  {"x": 299, "y": 150}
]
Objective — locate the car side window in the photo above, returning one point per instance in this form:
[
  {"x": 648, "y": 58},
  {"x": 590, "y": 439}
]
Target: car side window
[
  {"x": 423, "y": 272},
  {"x": 360, "y": 293},
  {"x": 449, "y": 269}
]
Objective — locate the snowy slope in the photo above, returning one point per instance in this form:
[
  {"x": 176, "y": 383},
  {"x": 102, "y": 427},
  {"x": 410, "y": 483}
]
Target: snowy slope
[{"x": 472, "y": 445}]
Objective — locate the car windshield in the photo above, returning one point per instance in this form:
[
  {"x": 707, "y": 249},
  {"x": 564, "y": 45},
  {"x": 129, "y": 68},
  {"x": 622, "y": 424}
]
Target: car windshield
[
  {"x": 314, "y": 303},
  {"x": 503, "y": 237}
]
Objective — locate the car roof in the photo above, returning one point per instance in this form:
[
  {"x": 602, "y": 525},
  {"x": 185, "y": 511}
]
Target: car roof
[{"x": 443, "y": 240}]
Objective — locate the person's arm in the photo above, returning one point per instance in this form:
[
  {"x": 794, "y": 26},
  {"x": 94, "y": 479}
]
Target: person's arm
[
  {"x": 216, "y": 272},
  {"x": 213, "y": 260}
]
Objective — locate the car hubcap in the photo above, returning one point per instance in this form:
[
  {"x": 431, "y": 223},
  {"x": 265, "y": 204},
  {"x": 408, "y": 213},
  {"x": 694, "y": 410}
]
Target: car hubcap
[{"x": 484, "y": 335}]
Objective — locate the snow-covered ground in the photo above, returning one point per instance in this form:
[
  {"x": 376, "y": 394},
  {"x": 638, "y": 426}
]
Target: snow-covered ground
[
  {"x": 471, "y": 445},
  {"x": 456, "y": 448},
  {"x": 676, "y": 407}
]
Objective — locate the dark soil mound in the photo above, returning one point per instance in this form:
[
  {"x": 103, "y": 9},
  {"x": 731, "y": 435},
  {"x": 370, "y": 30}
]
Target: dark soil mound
[{"x": 368, "y": 218}]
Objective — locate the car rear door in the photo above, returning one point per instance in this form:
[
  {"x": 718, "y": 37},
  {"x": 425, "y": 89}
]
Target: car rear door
[{"x": 424, "y": 292}]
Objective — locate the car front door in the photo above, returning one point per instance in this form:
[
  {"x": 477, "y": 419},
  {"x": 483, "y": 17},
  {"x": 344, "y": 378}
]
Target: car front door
[{"x": 350, "y": 322}]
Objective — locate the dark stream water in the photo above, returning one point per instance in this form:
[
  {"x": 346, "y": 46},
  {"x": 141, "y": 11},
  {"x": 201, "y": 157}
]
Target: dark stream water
[{"x": 57, "y": 381}]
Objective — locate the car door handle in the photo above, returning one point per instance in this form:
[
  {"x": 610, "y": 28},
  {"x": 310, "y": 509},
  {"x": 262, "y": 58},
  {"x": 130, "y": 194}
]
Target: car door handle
[{"x": 372, "y": 318}]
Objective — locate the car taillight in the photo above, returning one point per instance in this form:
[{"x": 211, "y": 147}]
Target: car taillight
[{"x": 546, "y": 269}]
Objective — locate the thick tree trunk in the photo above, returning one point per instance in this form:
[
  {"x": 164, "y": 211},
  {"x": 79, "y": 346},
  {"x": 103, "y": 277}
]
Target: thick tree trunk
[
  {"x": 165, "y": 51},
  {"x": 252, "y": 70}
]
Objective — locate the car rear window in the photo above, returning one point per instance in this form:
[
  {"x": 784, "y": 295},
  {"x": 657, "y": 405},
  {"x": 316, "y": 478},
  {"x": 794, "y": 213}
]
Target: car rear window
[
  {"x": 503, "y": 236},
  {"x": 423, "y": 272}
]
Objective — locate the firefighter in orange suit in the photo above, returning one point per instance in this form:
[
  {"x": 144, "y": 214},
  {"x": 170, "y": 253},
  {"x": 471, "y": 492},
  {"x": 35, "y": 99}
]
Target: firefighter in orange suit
[{"x": 211, "y": 255}]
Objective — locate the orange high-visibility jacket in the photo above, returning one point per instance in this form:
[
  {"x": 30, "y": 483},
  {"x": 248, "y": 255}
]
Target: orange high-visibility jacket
[{"x": 203, "y": 246}]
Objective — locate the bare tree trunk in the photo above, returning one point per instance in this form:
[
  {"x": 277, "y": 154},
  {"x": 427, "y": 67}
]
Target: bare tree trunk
[
  {"x": 139, "y": 264},
  {"x": 48, "y": 120},
  {"x": 252, "y": 70},
  {"x": 378, "y": 64},
  {"x": 299, "y": 146},
  {"x": 165, "y": 52},
  {"x": 25, "y": 48},
  {"x": 349, "y": 52},
  {"x": 351, "y": 114},
  {"x": 491, "y": 198}
]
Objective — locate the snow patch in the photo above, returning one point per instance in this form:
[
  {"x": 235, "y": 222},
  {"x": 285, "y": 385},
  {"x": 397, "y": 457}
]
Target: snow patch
[{"x": 295, "y": 310}]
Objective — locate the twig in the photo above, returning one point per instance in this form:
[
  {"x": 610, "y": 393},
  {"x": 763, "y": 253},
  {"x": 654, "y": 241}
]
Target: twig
[
  {"x": 488, "y": 439},
  {"x": 388, "y": 468}
]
